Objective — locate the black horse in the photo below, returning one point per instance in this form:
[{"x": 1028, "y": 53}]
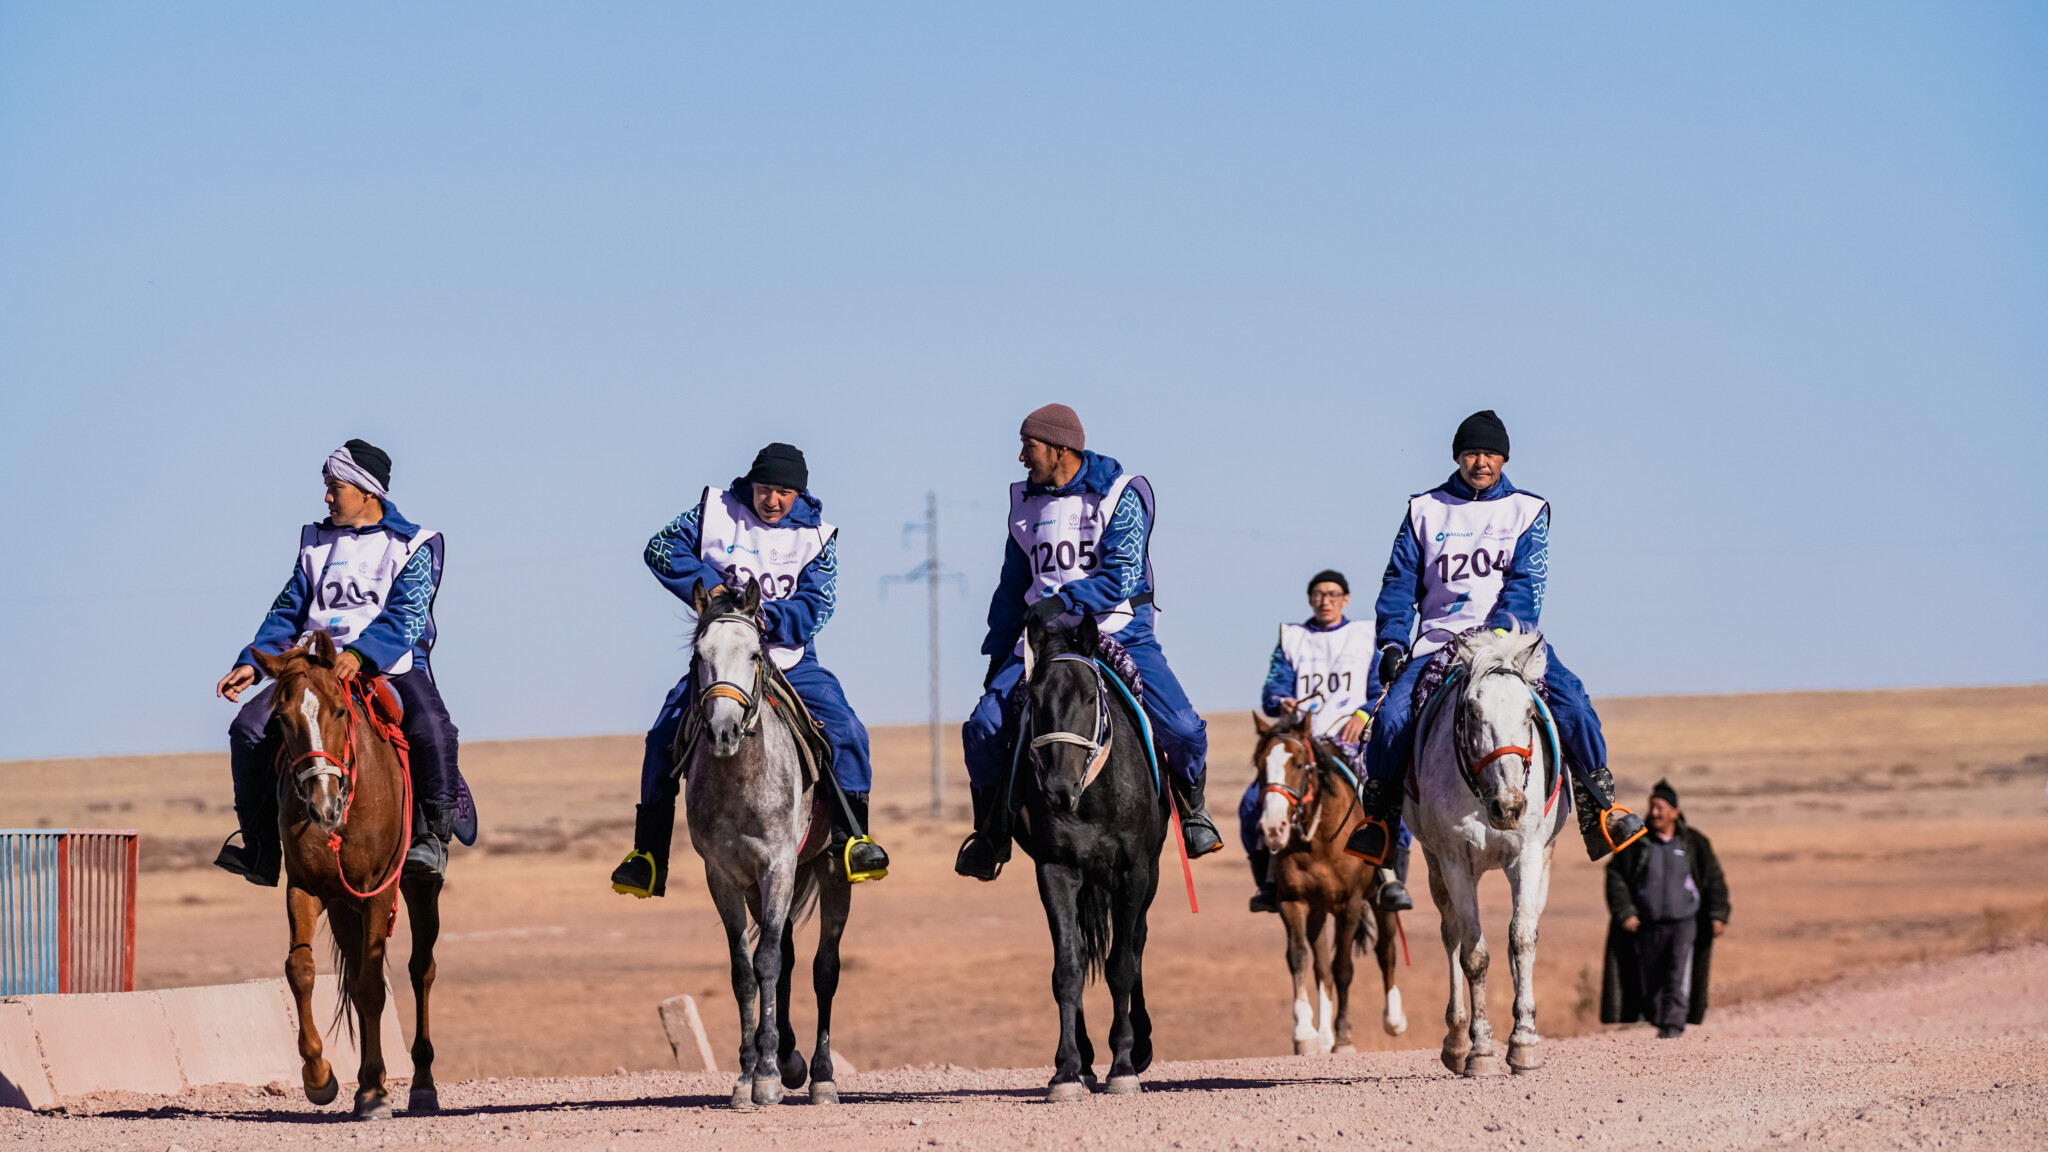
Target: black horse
[{"x": 1093, "y": 816}]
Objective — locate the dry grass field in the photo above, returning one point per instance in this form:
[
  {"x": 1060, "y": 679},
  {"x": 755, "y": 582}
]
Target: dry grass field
[{"x": 1857, "y": 829}]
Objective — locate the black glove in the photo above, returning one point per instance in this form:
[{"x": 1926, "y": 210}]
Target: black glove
[
  {"x": 1045, "y": 611},
  {"x": 995, "y": 665},
  {"x": 1393, "y": 658}
]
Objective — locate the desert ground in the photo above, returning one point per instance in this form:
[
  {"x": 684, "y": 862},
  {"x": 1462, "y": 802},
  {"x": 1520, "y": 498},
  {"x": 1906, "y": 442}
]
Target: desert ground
[{"x": 1861, "y": 832}]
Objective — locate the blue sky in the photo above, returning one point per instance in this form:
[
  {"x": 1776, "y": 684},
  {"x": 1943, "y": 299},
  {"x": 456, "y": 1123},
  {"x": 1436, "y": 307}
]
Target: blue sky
[{"x": 1759, "y": 289}]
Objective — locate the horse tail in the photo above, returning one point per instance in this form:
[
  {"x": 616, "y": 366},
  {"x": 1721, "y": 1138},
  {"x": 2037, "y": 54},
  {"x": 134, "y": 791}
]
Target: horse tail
[
  {"x": 1091, "y": 916},
  {"x": 1368, "y": 931},
  {"x": 344, "y": 922},
  {"x": 803, "y": 899}
]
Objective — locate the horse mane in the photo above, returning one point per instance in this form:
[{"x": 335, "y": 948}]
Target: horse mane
[{"x": 1519, "y": 653}]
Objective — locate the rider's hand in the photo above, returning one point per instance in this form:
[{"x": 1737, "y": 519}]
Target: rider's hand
[
  {"x": 1288, "y": 704},
  {"x": 1631, "y": 924},
  {"x": 1392, "y": 656},
  {"x": 235, "y": 682},
  {"x": 347, "y": 665},
  {"x": 1720, "y": 926},
  {"x": 1354, "y": 727}
]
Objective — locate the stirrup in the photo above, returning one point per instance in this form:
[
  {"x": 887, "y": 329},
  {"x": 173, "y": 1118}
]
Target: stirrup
[
  {"x": 1607, "y": 834},
  {"x": 974, "y": 838},
  {"x": 846, "y": 860},
  {"x": 1361, "y": 841},
  {"x": 653, "y": 874}
]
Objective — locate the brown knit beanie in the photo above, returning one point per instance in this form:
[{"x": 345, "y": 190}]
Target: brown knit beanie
[{"x": 1057, "y": 425}]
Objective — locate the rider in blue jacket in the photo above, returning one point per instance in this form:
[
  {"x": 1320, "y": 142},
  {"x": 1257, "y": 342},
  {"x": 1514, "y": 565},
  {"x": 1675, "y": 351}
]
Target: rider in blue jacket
[
  {"x": 769, "y": 528},
  {"x": 1475, "y": 552},
  {"x": 1078, "y": 543}
]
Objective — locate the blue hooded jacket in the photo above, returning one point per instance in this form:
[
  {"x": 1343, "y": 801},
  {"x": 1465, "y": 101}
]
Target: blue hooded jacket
[
  {"x": 1119, "y": 577},
  {"x": 672, "y": 555},
  {"x": 405, "y": 624}
]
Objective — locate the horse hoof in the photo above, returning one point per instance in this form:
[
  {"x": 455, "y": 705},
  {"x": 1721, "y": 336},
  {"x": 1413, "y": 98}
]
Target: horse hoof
[
  {"x": 743, "y": 1093},
  {"x": 1455, "y": 1061},
  {"x": 1525, "y": 1057},
  {"x": 423, "y": 1100},
  {"x": 824, "y": 1092},
  {"x": 1486, "y": 1064},
  {"x": 1395, "y": 1025},
  {"x": 1124, "y": 1086},
  {"x": 1348, "y": 1050},
  {"x": 373, "y": 1107},
  {"x": 325, "y": 1093},
  {"x": 767, "y": 1091},
  {"x": 1066, "y": 1093},
  {"x": 794, "y": 1070}
]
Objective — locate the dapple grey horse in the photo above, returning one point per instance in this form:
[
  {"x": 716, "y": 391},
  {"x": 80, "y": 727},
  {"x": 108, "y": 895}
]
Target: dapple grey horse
[
  {"x": 749, "y": 812},
  {"x": 1480, "y": 778}
]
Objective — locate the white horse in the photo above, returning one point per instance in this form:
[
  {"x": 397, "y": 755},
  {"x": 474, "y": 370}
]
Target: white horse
[{"x": 1487, "y": 759}]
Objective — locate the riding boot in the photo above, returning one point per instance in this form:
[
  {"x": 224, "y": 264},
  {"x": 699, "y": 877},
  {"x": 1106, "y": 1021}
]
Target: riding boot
[
  {"x": 983, "y": 854},
  {"x": 858, "y": 857},
  {"x": 1267, "y": 898},
  {"x": 433, "y": 825},
  {"x": 260, "y": 855},
  {"x": 1604, "y": 825},
  {"x": 1196, "y": 829},
  {"x": 1393, "y": 895},
  {"x": 644, "y": 872},
  {"x": 1379, "y": 801}
]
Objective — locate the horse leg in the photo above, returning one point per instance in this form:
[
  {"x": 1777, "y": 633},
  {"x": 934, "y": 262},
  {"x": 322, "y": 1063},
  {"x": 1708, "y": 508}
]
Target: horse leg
[
  {"x": 1301, "y": 966},
  {"x": 788, "y": 1060},
  {"x": 1529, "y": 880},
  {"x": 1457, "y": 1009},
  {"x": 1393, "y": 1019},
  {"x": 1059, "y": 889},
  {"x": 1462, "y": 928},
  {"x": 1320, "y": 950},
  {"x": 731, "y": 902},
  {"x": 373, "y": 1099},
  {"x": 1344, "y": 945},
  {"x": 776, "y": 886},
  {"x": 423, "y": 913},
  {"x": 303, "y": 908},
  {"x": 1126, "y": 958},
  {"x": 835, "y": 904},
  {"x": 1141, "y": 1020}
]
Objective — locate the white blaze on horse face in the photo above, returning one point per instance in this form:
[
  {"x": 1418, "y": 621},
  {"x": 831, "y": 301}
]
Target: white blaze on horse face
[
  {"x": 309, "y": 707},
  {"x": 1273, "y": 817}
]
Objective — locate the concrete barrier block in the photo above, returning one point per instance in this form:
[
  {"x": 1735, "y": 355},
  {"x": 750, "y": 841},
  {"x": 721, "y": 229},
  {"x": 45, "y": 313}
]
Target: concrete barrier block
[
  {"x": 233, "y": 1033},
  {"x": 23, "y": 1081},
  {"x": 106, "y": 1042}
]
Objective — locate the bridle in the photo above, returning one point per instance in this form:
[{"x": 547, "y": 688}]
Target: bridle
[
  {"x": 355, "y": 694},
  {"x": 749, "y": 702},
  {"x": 1098, "y": 748},
  {"x": 1472, "y": 768}
]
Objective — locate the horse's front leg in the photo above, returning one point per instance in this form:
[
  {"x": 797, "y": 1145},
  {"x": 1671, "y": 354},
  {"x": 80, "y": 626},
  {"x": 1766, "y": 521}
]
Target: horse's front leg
[
  {"x": 788, "y": 1060},
  {"x": 776, "y": 887},
  {"x": 1059, "y": 889},
  {"x": 1125, "y": 964},
  {"x": 423, "y": 913},
  {"x": 1470, "y": 960},
  {"x": 835, "y": 904},
  {"x": 373, "y": 1099},
  {"x": 1300, "y": 966},
  {"x": 1392, "y": 1018},
  {"x": 1529, "y": 880},
  {"x": 731, "y": 901},
  {"x": 303, "y": 910},
  {"x": 1459, "y": 928},
  {"x": 1344, "y": 946},
  {"x": 1320, "y": 949}
]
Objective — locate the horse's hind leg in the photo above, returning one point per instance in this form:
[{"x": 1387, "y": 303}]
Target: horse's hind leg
[
  {"x": 731, "y": 902},
  {"x": 373, "y": 1099},
  {"x": 835, "y": 904},
  {"x": 303, "y": 908},
  {"x": 788, "y": 1061},
  {"x": 1059, "y": 889},
  {"x": 423, "y": 912}
]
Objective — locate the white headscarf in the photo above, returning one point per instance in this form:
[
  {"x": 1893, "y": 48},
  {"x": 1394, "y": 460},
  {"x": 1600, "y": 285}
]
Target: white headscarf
[{"x": 342, "y": 466}]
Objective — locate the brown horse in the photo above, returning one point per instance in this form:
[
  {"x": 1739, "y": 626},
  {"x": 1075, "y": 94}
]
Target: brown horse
[
  {"x": 1310, "y": 807},
  {"x": 345, "y": 813}
]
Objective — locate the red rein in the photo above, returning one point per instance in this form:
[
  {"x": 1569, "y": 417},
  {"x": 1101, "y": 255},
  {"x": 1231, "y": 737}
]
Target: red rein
[{"x": 359, "y": 696}]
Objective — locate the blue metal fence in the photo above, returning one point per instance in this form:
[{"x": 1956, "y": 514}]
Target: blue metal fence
[{"x": 30, "y": 915}]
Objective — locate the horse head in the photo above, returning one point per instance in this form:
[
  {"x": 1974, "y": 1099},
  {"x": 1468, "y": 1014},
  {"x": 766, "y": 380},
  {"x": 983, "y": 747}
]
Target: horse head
[
  {"x": 1067, "y": 711},
  {"x": 312, "y": 709},
  {"x": 1287, "y": 772},
  {"x": 728, "y": 650},
  {"x": 1497, "y": 728}
]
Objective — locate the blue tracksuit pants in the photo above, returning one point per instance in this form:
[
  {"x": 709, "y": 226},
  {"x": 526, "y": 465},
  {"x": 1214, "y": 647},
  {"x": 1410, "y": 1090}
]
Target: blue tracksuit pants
[
  {"x": 820, "y": 692},
  {"x": 427, "y": 728},
  {"x": 1180, "y": 732},
  {"x": 1393, "y": 733},
  {"x": 1251, "y": 807}
]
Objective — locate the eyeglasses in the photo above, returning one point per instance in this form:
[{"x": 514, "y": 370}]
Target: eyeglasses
[{"x": 1318, "y": 597}]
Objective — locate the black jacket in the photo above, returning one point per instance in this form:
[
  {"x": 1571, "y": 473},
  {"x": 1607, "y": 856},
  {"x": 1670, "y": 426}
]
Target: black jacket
[{"x": 1621, "y": 995}]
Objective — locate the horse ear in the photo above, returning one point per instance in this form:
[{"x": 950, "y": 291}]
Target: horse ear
[
  {"x": 1033, "y": 636},
  {"x": 323, "y": 652},
  {"x": 1089, "y": 634},
  {"x": 271, "y": 665},
  {"x": 699, "y": 597},
  {"x": 1534, "y": 660},
  {"x": 750, "y": 601},
  {"x": 1260, "y": 722}
]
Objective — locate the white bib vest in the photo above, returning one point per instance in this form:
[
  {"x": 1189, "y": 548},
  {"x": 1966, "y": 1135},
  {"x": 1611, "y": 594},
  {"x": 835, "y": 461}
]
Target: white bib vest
[
  {"x": 1331, "y": 666},
  {"x": 1466, "y": 548},
  {"x": 733, "y": 540},
  {"x": 1060, "y": 535},
  {"x": 351, "y": 575}
]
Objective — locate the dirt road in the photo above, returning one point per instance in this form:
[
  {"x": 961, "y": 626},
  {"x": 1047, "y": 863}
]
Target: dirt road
[{"x": 1947, "y": 1054}]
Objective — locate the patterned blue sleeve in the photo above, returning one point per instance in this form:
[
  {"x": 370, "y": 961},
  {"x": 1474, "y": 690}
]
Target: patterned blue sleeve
[
  {"x": 1122, "y": 548},
  {"x": 1400, "y": 591},
  {"x": 1521, "y": 595},
  {"x": 285, "y": 620},
  {"x": 672, "y": 556},
  {"x": 1279, "y": 683},
  {"x": 407, "y": 611},
  {"x": 800, "y": 616}
]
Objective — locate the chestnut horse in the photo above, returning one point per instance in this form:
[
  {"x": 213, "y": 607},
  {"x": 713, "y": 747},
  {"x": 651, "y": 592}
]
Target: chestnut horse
[
  {"x": 345, "y": 814},
  {"x": 1310, "y": 805}
]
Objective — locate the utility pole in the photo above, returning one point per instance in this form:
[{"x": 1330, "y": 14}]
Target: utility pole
[{"x": 930, "y": 573}]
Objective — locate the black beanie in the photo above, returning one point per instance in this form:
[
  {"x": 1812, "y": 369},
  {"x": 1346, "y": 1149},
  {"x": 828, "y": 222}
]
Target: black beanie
[
  {"x": 371, "y": 459},
  {"x": 1329, "y": 576},
  {"x": 780, "y": 466},
  {"x": 1665, "y": 792},
  {"x": 1482, "y": 431}
]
